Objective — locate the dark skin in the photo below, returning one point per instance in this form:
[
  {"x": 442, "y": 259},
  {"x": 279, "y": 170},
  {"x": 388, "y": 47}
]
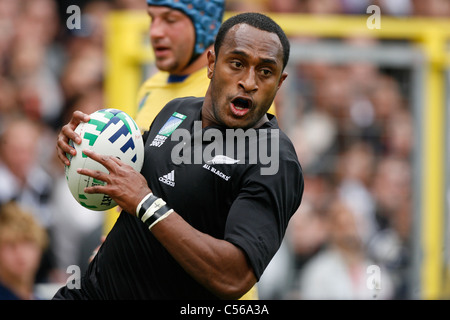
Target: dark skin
[{"x": 249, "y": 66}]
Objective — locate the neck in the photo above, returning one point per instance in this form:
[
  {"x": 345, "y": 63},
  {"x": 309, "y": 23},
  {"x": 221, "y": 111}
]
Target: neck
[
  {"x": 261, "y": 121},
  {"x": 196, "y": 65}
]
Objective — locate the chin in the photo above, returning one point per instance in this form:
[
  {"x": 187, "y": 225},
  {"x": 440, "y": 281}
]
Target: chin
[
  {"x": 240, "y": 124},
  {"x": 165, "y": 65}
]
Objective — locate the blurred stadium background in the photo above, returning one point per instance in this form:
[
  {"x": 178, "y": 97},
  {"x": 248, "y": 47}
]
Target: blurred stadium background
[{"x": 366, "y": 105}]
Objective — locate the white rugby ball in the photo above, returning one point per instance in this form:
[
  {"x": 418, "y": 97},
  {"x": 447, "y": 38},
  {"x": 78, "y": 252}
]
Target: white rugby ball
[{"x": 109, "y": 132}]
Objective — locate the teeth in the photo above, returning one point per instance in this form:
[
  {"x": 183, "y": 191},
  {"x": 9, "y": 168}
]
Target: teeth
[{"x": 239, "y": 108}]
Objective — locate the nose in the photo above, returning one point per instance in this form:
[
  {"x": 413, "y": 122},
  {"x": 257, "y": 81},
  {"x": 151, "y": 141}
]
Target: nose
[
  {"x": 156, "y": 29},
  {"x": 249, "y": 82}
]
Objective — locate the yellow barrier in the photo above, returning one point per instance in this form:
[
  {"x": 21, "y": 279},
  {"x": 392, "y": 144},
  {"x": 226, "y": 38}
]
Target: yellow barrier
[{"x": 127, "y": 51}]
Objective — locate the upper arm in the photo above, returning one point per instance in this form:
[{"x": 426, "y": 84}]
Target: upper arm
[{"x": 258, "y": 218}]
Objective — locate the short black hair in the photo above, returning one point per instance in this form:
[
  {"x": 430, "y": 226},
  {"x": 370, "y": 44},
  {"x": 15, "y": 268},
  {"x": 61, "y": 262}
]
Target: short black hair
[{"x": 258, "y": 21}]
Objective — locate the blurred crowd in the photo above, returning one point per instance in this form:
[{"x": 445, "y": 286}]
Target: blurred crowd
[
  {"x": 354, "y": 138},
  {"x": 353, "y": 133},
  {"x": 46, "y": 72}
]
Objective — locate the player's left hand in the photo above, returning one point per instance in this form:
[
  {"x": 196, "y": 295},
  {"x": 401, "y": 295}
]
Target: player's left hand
[{"x": 124, "y": 185}]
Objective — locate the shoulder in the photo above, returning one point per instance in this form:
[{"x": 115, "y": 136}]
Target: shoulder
[
  {"x": 182, "y": 108},
  {"x": 184, "y": 105},
  {"x": 185, "y": 102},
  {"x": 157, "y": 78},
  {"x": 279, "y": 145}
]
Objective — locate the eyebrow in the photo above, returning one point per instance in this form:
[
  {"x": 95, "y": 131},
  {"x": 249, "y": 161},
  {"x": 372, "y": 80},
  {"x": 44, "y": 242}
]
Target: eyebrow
[
  {"x": 244, "y": 54},
  {"x": 168, "y": 11}
]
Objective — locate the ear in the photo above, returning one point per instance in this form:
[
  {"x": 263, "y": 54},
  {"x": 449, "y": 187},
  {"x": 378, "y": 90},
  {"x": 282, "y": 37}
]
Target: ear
[
  {"x": 211, "y": 56},
  {"x": 282, "y": 78}
]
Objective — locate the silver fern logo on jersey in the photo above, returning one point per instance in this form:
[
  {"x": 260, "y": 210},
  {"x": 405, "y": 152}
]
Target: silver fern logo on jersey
[{"x": 221, "y": 159}]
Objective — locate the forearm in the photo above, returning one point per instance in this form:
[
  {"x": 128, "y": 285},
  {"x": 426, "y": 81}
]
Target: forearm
[{"x": 217, "y": 264}]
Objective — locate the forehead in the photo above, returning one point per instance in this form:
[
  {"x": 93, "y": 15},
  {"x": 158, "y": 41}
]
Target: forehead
[
  {"x": 164, "y": 11},
  {"x": 250, "y": 39}
]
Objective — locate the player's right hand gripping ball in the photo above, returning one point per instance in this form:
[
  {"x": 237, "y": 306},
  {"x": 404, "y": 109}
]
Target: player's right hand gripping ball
[{"x": 109, "y": 132}]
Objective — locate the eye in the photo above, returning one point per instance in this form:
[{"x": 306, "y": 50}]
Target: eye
[
  {"x": 171, "y": 20},
  {"x": 236, "y": 64},
  {"x": 266, "y": 72}
]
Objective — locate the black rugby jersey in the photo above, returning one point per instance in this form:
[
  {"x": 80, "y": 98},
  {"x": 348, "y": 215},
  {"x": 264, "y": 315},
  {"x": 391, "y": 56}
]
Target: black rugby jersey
[{"x": 230, "y": 190}]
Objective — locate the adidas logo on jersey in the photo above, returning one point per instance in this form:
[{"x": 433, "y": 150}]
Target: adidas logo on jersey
[{"x": 168, "y": 179}]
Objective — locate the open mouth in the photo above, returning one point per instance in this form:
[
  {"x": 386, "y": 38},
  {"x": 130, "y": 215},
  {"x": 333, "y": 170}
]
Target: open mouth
[
  {"x": 161, "y": 51},
  {"x": 240, "y": 106}
]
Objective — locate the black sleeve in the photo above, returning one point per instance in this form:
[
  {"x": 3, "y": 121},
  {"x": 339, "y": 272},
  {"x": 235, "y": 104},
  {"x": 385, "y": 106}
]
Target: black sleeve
[
  {"x": 145, "y": 136},
  {"x": 258, "y": 218}
]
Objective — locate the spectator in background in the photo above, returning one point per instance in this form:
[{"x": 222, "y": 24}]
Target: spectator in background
[
  {"x": 354, "y": 172},
  {"x": 306, "y": 233},
  {"x": 286, "y": 6},
  {"x": 431, "y": 8},
  {"x": 22, "y": 241},
  {"x": 390, "y": 245},
  {"x": 386, "y": 100},
  {"x": 9, "y": 11},
  {"x": 391, "y": 187},
  {"x": 399, "y": 129},
  {"x": 23, "y": 179},
  {"x": 130, "y": 5},
  {"x": 321, "y": 7},
  {"x": 340, "y": 270},
  {"x": 39, "y": 93},
  {"x": 85, "y": 66},
  {"x": 246, "y": 6},
  {"x": 82, "y": 72},
  {"x": 36, "y": 59},
  {"x": 305, "y": 237},
  {"x": 8, "y": 99}
]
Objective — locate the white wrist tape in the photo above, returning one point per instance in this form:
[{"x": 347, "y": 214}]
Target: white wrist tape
[
  {"x": 138, "y": 208},
  {"x": 158, "y": 203},
  {"x": 152, "y": 210},
  {"x": 163, "y": 216}
]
